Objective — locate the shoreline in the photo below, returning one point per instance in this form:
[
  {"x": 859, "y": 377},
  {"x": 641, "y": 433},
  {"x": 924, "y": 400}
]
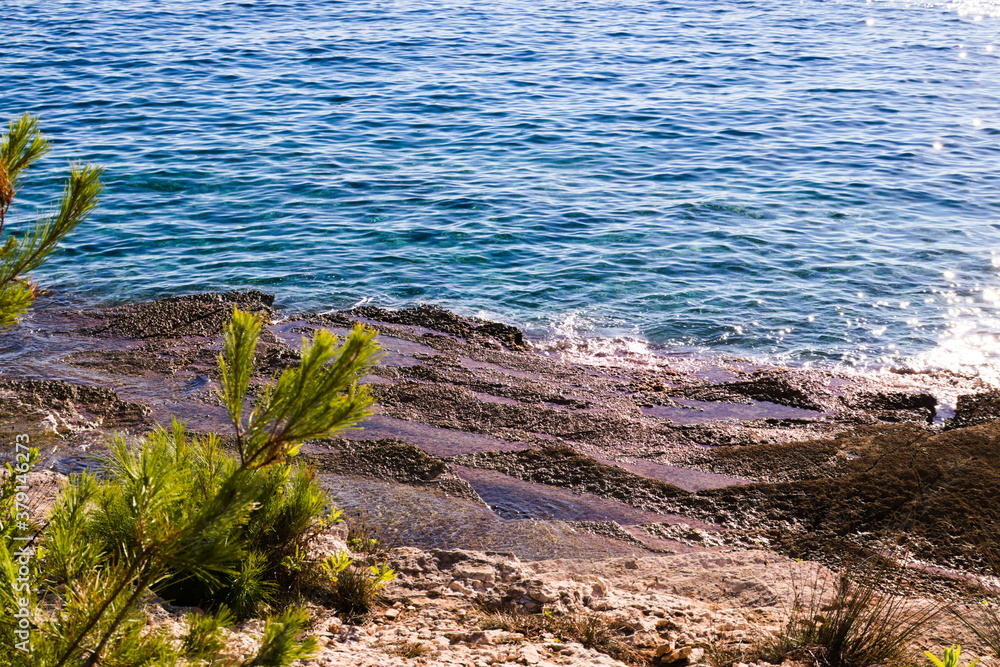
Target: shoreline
[
  {"x": 492, "y": 470},
  {"x": 611, "y": 348}
]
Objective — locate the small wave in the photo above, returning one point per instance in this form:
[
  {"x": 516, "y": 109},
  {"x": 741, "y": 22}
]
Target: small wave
[
  {"x": 613, "y": 352},
  {"x": 964, "y": 361},
  {"x": 582, "y": 337},
  {"x": 974, "y": 355}
]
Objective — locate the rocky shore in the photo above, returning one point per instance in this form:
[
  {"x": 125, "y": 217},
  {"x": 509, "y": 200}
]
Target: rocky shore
[{"x": 673, "y": 496}]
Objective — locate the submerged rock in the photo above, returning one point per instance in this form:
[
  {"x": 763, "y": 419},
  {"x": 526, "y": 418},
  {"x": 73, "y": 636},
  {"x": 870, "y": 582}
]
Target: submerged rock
[
  {"x": 72, "y": 406},
  {"x": 895, "y": 406},
  {"x": 563, "y": 466},
  {"x": 388, "y": 458},
  {"x": 798, "y": 390}
]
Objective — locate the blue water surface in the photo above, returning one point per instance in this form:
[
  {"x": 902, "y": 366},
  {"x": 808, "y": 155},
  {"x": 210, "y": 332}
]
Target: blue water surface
[{"x": 803, "y": 180}]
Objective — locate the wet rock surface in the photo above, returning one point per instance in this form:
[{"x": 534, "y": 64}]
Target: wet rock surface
[
  {"x": 799, "y": 390},
  {"x": 469, "y": 407},
  {"x": 895, "y": 406},
  {"x": 390, "y": 459},
  {"x": 194, "y": 315},
  {"x": 74, "y": 403},
  {"x": 487, "y": 334},
  {"x": 975, "y": 409},
  {"x": 565, "y": 467}
]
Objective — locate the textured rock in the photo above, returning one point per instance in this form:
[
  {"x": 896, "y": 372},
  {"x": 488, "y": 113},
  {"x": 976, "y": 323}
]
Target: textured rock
[
  {"x": 195, "y": 315},
  {"x": 975, "y": 409}
]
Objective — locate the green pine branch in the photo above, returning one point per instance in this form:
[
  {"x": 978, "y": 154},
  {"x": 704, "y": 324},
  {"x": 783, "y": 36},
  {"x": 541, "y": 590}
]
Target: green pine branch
[
  {"x": 318, "y": 398},
  {"x": 20, "y": 147},
  {"x": 178, "y": 511}
]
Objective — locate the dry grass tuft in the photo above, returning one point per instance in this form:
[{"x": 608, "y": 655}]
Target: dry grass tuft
[
  {"x": 720, "y": 652},
  {"x": 408, "y": 650},
  {"x": 590, "y": 629},
  {"x": 982, "y": 615},
  {"x": 848, "y": 619}
]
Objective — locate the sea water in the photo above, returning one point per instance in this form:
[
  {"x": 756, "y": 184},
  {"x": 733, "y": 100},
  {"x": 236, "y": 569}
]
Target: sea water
[{"x": 798, "y": 180}]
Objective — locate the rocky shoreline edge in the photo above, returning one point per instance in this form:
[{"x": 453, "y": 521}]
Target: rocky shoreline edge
[{"x": 673, "y": 498}]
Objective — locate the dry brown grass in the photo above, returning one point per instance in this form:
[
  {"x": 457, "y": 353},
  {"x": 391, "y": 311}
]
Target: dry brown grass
[
  {"x": 590, "y": 629},
  {"x": 850, "y": 619},
  {"x": 408, "y": 650}
]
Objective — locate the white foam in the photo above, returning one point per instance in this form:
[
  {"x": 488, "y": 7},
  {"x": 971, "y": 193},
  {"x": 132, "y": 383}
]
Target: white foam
[
  {"x": 582, "y": 337},
  {"x": 615, "y": 351}
]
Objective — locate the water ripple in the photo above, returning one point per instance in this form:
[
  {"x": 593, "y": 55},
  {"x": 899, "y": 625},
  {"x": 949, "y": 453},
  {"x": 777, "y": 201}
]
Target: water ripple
[{"x": 767, "y": 177}]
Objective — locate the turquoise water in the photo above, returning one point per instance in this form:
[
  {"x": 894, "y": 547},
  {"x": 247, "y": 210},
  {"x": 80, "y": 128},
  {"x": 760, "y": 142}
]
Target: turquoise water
[{"x": 801, "y": 180}]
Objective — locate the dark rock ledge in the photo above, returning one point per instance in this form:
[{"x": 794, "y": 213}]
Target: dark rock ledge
[{"x": 480, "y": 440}]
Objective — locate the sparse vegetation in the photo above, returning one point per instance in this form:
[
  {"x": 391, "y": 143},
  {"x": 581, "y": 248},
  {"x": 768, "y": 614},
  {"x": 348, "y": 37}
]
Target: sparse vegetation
[
  {"x": 529, "y": 625},
  {"x": 408, "y": 650},
  {"x": 724, "y": 653},
  {"x": 354, "y": 588},
  {"x": 949, "y": 658},
  {"x": 848, "y": 619},
  {"x": 982, "y": 615},
  {"x": 590, "y": 629},
  {"x": 363, "y": 539},
  {"x": 983, "y": 620},
  {"x": 980, "y": 611}
]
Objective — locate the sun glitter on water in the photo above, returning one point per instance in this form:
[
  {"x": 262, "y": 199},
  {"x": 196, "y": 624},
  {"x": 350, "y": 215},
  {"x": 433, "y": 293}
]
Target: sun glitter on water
[
  {"x": 975, "y": 9},
  {"x": 971, "y": 339}
]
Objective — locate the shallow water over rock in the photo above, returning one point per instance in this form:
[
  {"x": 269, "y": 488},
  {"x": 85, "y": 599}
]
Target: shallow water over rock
[
  {"x": 403, "y": 515},
  {"x": 517, "y": 499},
  {"x": 434, "y": 440}
]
